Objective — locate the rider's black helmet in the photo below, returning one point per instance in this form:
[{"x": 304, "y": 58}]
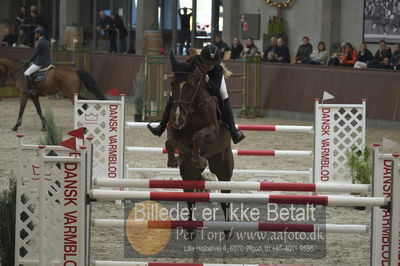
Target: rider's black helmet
[
  {"x": 40, "y": 30},
  {"x": 210, "y": 55}
]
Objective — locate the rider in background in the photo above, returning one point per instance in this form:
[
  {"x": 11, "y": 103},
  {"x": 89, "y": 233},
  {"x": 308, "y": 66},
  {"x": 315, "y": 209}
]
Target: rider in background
[
  {"x": 208, "y": 61},
  {"x": 41, "y": 59}
]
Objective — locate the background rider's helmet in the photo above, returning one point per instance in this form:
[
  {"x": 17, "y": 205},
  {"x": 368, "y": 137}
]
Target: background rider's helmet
[
  {"x": 210, "y": 55},
  {"x": 40, "y": 30}
]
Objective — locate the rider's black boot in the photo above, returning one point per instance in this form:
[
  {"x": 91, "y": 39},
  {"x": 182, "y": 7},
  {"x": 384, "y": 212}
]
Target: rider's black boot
[
  {"x": 32, "y": 89},
  {"x": 159, "y": 130},
  {"x": 237, "y": 135}
]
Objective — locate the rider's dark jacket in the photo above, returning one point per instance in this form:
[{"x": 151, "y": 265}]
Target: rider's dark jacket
[
  {"x": 42, "y": 56},
  {"x": 215, "y": 75}
]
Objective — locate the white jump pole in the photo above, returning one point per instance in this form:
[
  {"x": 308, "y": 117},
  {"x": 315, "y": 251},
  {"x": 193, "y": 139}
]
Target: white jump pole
[
  {"x": 276, "y": 153},
  {"x": 222, "y": 225},
  {"x": 97, "y": 194},
  {"x": 231, "y": 185}
]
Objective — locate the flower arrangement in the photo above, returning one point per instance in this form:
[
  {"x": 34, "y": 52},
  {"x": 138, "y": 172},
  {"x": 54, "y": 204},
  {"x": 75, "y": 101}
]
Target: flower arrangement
[{"x": 275, "y": 26}]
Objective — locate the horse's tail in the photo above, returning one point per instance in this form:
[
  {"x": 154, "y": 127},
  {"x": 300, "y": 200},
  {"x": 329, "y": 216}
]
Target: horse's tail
[{"x": 90, "y": 84}]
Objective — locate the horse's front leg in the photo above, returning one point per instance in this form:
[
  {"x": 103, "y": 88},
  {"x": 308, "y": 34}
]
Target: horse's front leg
[
  {"x": 170, "y": 145},
  {"x": 23, "y": 99},
  {"x": 200, "y": 138}
]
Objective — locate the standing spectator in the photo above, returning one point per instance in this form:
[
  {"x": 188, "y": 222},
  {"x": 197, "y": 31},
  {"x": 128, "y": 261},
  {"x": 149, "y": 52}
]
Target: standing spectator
[
  {"x": 37, "y": 21},
  {"x": 271, "y": 49},
  {"x": 251, "y": 49},
  {"x": 116, "y": 29},
  {"x": 383, "y": 52},
  {"x": 320, "y": 56},
  {"x": 22, "y": 18},
  {"x": 349, "y": 58},
  {"x": 304, "y": 51},
  {"x": 237, "y": 49},
  {"x": 185, "y": 33},
  {"x": 396, "y": 56},
  {"x": 9, "y": 38},
  {"x": 223, "y": 47},
  {"x": 364, "y": 57},
  {"x": 103, "y": 22},
  {"x": 33, "y": 8},
  {"x": 23, "y": 40},
  {"x": 282, "y": 51}
]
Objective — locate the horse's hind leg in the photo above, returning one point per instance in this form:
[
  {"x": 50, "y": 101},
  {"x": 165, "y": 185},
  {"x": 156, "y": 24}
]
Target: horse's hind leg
[
  {"x": 23, "y": 101},
  {"x": 39, "y": 111}
]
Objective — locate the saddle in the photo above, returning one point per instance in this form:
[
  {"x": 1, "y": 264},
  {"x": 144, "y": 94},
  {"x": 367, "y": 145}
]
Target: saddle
[{"x": 41, "y": 74}]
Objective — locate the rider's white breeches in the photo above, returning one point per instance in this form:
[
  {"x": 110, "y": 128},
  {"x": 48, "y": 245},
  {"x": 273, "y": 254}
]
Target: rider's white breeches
[
  {"x": 223, "y": 91},
  {"x": 32, "y": 69}
]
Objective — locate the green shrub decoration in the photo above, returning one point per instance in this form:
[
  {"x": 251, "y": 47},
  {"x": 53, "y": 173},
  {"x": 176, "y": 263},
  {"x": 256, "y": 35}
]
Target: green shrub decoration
[
  {"x": 275, "y": 26},
  {"x": 53, "y": 134},
  {"x": 359, "y": 161},
  {"x": 7, "y": 223}
]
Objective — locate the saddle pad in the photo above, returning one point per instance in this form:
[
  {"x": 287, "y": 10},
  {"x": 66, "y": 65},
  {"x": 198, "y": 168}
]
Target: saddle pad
[{"x": 41, "y": 74}]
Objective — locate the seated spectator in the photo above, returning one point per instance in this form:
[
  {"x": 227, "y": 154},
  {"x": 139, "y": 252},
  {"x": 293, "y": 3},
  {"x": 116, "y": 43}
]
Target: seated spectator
[
  {"x": 271, "y": 48},
  {"x": 251, "y": 49},
  {"x": 304, "y": 51},
  {"x": 383, "y": 52},
  {"x": 271, "y": 57},
  {"x": 385, "y": 64},
  {"x": 222, "y": 46},
  {"x": 237, "y": 48},
  {"x": 282, "y": 51},
  {"x": 320, "y": 56},
  {"x": 364, "y": 56},
  {"x": 334, "y": 60},
  {"x": 396, "y": 56},
  {"x": 349, "y": 57},
  {"x": 9, "y": 38}
]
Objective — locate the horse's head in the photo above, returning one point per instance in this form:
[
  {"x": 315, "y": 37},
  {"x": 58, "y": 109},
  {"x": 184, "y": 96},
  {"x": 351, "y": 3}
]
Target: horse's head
[{"x": 184, "y": 92}]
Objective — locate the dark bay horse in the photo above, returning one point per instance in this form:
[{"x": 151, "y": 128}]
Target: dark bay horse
[
  {"x": 195, "y": 131},
  {"x": 61, "y": 78}
]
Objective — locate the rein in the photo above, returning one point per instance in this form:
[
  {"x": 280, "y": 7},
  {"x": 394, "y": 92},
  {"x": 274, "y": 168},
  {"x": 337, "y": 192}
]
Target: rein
[{"x": 190, "y": 103}]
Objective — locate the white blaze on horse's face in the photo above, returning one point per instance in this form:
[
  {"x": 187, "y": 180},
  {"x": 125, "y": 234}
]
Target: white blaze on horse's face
[{"x": 179, "y": 122}]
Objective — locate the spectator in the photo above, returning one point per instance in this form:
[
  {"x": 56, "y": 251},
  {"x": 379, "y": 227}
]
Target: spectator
[
  {"x": 319, "y": 57},
  {"x": 185, "y": 33},
  {"x": 22, "y": 18},
  {"x": 304, "y": 51},
  {"x": 334, "y": 60},
  {"x": 23, "y": 39},
  {"x": 251, "y": 49},
  {"x": 33, "y": 8},
  {"x": 396, "y": 56},
  {"x": 282, "y": 51},
  {"x": 385, "y": 64},
  {"x": 222, "y": 46},
  {"x": 9, "y": 38},
  {"x": 383, "y": 52},
  {"x": 237, "y": 49},
  {"x": 37, "y": 21},
  {"x": 104, "y": 23},
  {"x": 349, "y": 57},
  {"x": 364, "y": 57},
  {"x": 272, "y": 48},
  {"x": 117, "y": 28}
]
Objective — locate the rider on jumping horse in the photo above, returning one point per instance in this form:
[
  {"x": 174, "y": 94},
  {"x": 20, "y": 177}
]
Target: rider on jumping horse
[
  {"x": 41, "y": 59},
  {"x": 210, "y": 61}
]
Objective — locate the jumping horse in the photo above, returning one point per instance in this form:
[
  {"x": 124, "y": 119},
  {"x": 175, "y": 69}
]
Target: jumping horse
[
  {"x": 194, "y": 130},
  {"x": 60, "y": 78}
]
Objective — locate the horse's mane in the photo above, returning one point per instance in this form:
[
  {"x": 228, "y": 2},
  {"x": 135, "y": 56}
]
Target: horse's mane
[{"x": 227, "y": 73}]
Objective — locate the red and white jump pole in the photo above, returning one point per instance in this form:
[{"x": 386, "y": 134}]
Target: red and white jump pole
[
  {"x": 231, "y": 185},
  {"x": 227, "y": 225},
  {"x": 97, "y": 194},
  {"x": 276, "y": 153},
  {"x": 277, "y": 128}
]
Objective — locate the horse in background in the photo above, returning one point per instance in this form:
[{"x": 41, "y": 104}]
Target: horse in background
[{"x": 61, "y": 78}]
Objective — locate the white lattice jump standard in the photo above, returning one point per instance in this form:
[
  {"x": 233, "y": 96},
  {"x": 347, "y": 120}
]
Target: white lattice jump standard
[
  {"x": 226, "y": 225},
  {"x": 277, "y": 153},
  {"x": 276, "y": 128},
  {"x": 231, "y": 185}
]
